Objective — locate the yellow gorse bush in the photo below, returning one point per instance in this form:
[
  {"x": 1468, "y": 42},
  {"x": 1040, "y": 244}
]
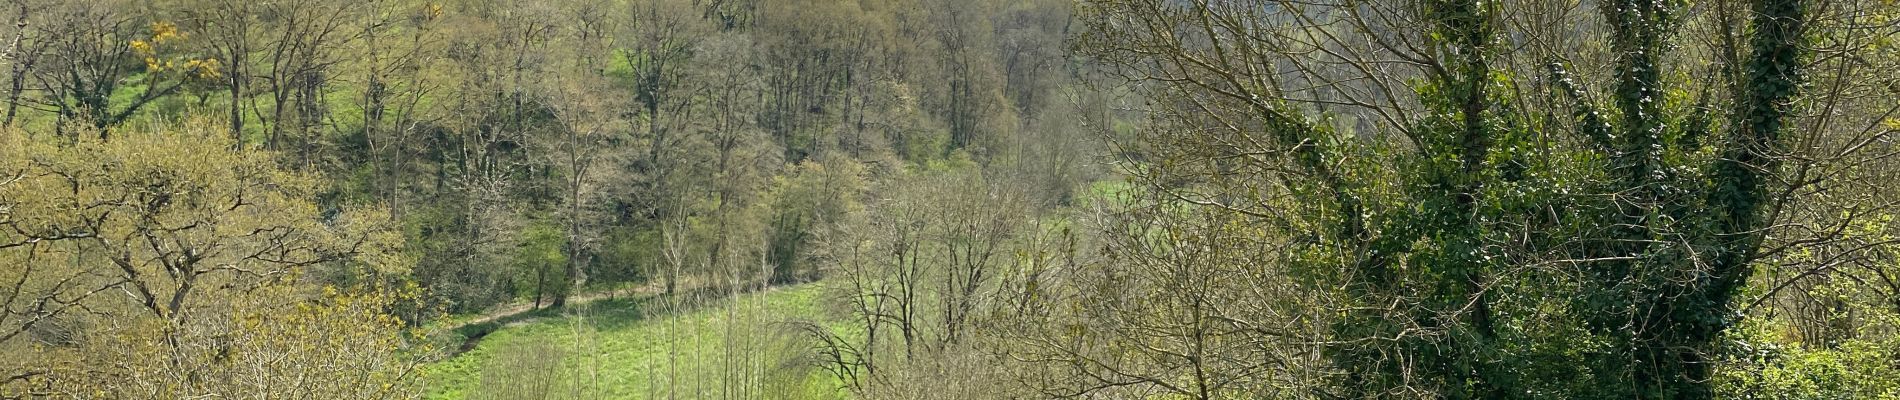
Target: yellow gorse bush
[{"x": 160, "y": 56}]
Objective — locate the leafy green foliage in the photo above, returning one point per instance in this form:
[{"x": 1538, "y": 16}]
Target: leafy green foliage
[
  {"x": 539, "y": 260},
  {"x": 1761, "y": 366}
]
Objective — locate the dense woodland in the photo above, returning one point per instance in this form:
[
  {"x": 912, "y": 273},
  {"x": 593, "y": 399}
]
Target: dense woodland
[{"x": 949, "y": 199}]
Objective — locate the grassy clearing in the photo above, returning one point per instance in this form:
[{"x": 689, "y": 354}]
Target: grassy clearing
[{"x": 737, "y": 347}]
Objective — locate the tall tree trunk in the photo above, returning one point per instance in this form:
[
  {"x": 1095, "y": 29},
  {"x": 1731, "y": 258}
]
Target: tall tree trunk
[{"x": 10, "y": 58}]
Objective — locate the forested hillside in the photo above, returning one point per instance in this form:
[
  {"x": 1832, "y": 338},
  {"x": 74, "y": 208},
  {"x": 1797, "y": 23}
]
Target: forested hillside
[{"x": 949, "y": 199}]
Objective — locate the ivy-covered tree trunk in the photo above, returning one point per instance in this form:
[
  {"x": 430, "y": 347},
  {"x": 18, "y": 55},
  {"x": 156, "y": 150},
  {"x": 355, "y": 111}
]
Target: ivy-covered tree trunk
[
  {"x": 1443, "y": 242},
  {"x": 1739, "y": 197},
  {"x": 1682, "y": 243}
]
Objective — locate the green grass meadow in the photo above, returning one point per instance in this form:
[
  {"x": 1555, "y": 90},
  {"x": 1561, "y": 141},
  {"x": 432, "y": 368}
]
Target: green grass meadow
[{"x": 730, "y": 347}]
